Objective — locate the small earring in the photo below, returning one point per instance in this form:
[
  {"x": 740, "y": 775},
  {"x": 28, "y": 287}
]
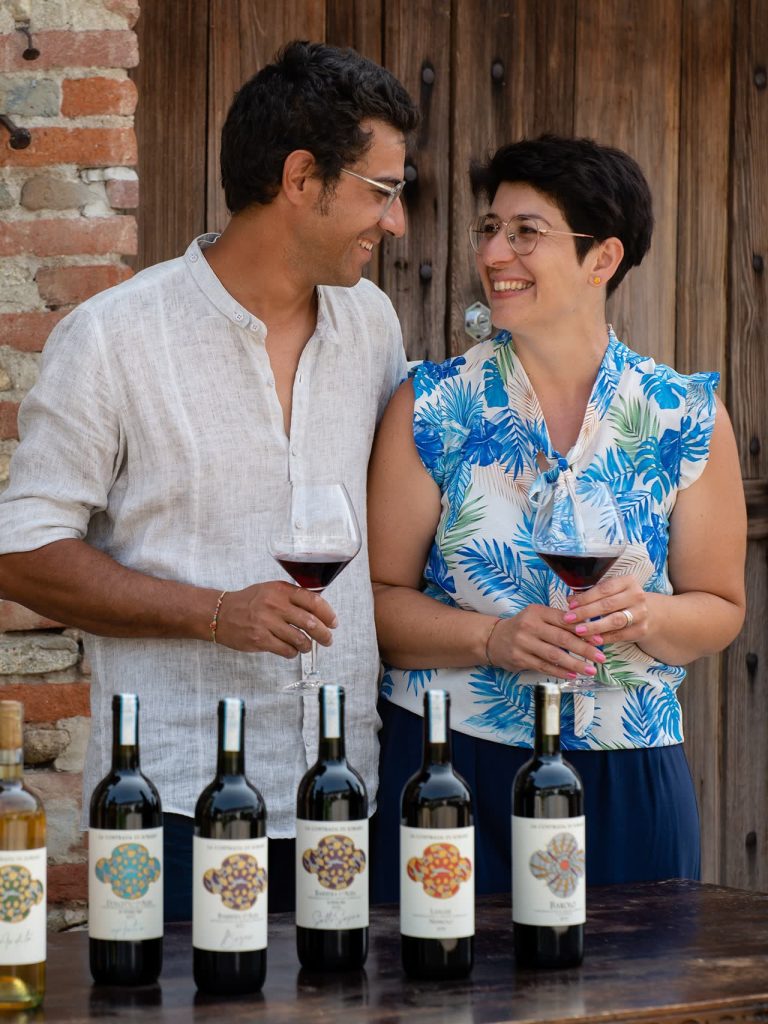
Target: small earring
[{"x": 596, "y": 280}]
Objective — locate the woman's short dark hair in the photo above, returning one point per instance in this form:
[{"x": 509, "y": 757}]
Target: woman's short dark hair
[
  {"x": 600, "y": 191},
  {"x": 311, "y": 97}
]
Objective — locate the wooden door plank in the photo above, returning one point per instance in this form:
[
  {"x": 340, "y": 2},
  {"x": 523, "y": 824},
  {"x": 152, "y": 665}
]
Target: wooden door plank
[
  {"x": 702, "y": 316},
  {"x": 748, "y": 333},
  {"x": 414, "y": 269},
  {"x": 170, "y": 127},
  {"x": 705, "y": 99},
  {"x": 744, "y": 822},
  {"x": 514, "y": 77},
  {"x": 243, "y": 38},
  {"x": 355, "y": 23},
  {"x": 627, "y": 95}
]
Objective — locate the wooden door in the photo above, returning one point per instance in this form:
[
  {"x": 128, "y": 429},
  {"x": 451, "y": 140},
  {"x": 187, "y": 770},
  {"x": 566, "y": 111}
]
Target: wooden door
[{"x": 680, "y": 84}]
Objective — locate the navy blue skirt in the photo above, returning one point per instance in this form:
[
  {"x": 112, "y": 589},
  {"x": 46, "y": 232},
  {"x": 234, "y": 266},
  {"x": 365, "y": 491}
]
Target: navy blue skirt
[{"x": 640, "y": 806}]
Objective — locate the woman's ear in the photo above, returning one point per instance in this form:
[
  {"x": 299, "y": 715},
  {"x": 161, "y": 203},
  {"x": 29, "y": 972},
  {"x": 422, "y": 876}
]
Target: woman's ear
[{"x": 603, "y": 262}]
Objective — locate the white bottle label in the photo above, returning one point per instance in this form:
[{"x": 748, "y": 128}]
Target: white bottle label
[
  {"x": 229, "y": 894},
  {"x": 437, "y": 882},
  {"x": 23, "y": 877},
  {"x": 125, "y": 884},
  {"x": 332, "y": 874},
  {"x": 548, "y": 871}
]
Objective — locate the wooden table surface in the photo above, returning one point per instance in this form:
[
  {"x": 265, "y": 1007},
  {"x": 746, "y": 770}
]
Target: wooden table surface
[{"x": 665, "y": 952}]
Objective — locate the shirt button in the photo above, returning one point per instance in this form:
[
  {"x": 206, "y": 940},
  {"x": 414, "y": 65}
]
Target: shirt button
[
  {"x": 239, "y": 317},
  {"x": 294, "y": 450},
  {"x": 270, "y": 383},
  {"x": 193, "y": 258}
]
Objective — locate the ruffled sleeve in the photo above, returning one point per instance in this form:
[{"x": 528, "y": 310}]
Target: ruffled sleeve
[{"x": 696, "y": 426}]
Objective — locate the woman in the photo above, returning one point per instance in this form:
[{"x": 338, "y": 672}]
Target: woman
[{"x": 462, "y": 600}]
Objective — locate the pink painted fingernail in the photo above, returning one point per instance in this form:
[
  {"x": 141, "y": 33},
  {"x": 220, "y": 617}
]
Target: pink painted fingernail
[
  {"x": 600, "y": 657},
  {"x": 572, "y": 604},
  {"x": 580, "y": 629},
  {"x": 590, "y": 670},
  {"x": 597, "y": 639},
  {"x": 569, "y": 617},
  {"x": 571, "y": 675}
]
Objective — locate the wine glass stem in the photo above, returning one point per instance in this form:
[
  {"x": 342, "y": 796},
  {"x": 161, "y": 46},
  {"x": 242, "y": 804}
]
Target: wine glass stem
[{"x": 313, "y": 674}]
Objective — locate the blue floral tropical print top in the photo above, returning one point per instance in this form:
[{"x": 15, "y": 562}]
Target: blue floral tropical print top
[{"x": 479, "y": 429}]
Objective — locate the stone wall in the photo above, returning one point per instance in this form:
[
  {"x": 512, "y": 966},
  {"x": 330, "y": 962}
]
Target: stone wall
[{"x": 65, "y": 224}]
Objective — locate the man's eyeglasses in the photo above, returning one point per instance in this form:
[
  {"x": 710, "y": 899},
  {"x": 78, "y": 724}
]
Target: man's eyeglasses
[
  {"x": 393, "y": 191},
  {"x": 522, "y": 233}
]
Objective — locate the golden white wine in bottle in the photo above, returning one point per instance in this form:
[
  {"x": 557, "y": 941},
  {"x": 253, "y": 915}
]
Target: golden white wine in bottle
[{"x": 22, "y": 872}]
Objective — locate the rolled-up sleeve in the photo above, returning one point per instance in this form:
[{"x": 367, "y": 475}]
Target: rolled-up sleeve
[{"x": 70, "y": 447}]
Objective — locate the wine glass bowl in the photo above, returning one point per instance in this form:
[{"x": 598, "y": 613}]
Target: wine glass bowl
[
  {"x": 315, "y": 534},
  {"x": 578, "y": 531}
]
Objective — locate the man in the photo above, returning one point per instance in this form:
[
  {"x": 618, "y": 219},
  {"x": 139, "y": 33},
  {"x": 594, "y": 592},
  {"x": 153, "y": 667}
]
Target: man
[{"x": 170, "y": 415}]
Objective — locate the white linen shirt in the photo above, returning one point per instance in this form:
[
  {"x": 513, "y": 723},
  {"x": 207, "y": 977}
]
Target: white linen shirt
[{"x": 155, "y": 434}]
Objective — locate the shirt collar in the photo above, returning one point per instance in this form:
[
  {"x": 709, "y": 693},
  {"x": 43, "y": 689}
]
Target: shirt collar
[{"x": 217, "y": 294}]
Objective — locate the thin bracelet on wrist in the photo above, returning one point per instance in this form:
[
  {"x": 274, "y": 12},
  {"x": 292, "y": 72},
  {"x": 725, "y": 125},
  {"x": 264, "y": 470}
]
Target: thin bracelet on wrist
[
  {"x": 213, "y": 625},
  {"x": 488, "y": 642}
]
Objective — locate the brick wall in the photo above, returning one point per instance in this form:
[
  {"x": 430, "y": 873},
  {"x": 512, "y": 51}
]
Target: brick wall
[{"x": 66, "y": 221}]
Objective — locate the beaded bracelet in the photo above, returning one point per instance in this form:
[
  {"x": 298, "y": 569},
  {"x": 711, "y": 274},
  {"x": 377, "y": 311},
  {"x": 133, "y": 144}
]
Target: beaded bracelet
[
  {"x": 488, "y": 641},
  {"x": 213, "y": 625}
]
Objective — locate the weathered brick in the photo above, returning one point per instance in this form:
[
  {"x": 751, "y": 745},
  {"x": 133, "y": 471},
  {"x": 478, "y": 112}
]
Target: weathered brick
[
  {"x": 69, "y": 237},
  {"x": 9, "y": 412},
  {"x": 84, "y": 97},
  {"x": 87, "y": 147},
  {"x": 78, "y": 731},
  {"x": 61, "y": 793},
  {"x": 6, "y": 199},
  {"x": 15, "y": 617},
  {"x": 62, "y": 286},
  {"x": 49, "y": 702},
  {"x": 5, "y": 380},
  {"x": 65, "y": 49},
  {"x": 123, "y": 195},
  {"x": 36, "y": 653},
  {"x": 44, "y": 743},
  {"x": 67, "y": 882},
  {"x": 27, "y": 332},
  {"x": 29, "y": 97},
  {"x": 53, "y": 192},
  {"x": 128, "y": 9}
]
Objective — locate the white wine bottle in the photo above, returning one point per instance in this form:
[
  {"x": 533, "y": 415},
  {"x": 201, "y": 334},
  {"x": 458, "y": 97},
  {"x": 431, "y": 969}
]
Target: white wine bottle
[
  {"x": 22, "y": 873},
  {"x": 548, "y": 853}
]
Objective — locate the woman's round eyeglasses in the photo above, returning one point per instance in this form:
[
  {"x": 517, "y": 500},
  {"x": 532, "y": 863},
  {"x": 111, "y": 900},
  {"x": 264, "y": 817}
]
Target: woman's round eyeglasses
[{"x": 522, "y": 233}]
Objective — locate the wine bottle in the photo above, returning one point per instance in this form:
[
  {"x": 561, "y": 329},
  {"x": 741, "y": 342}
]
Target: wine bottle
[
  {"x": 332, "y": 852},
  {"x": 125, "y": 862},
  {"x": 229, "y": 870},
  {"x": 437, "y": 858},
  {"x": 548, "y": 869},
  {"x": 22, "y": 873}
]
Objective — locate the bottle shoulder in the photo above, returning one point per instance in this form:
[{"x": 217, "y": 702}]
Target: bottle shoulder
[
  {"x": 125, "y": 786},
  {"x": 333, "y": 777},
  {"x": 17, "y": 798},
  {"x": 227, "y": 794},
  {"x": 436, "y": 782}
]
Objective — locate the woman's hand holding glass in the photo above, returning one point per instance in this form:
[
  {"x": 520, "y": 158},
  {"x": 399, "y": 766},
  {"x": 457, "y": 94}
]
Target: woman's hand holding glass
[
  {"x": 615, "y": 609},
  {"x": 537, "y": 639}
]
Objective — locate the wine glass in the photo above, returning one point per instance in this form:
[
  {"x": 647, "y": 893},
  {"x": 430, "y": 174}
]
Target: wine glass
[
  {"x": 314, "y": 535},
  {"x": 579, "y": 532}
]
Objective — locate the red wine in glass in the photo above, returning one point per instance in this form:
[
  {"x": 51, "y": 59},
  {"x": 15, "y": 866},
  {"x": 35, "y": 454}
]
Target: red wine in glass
[
  {"x": 580, "y": 571},
  {"x": 314, "y": 572},
  {"x": 314, "y": 535}
]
